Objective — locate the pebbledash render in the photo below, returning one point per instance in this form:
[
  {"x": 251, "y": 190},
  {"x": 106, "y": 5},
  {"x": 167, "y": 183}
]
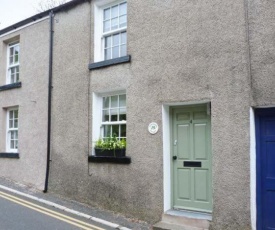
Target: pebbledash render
[{"x": 189, "y": 85}]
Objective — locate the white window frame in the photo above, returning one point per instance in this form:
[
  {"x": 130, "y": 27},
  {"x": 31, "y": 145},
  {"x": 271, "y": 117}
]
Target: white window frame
[
  {"x": 9, "y": 130},
  {"x": 13, "y": 65},
  {"x": 99, "y": 35},
  {"x": 103, "y": 123},
  {"x": 97, "y": 124}
]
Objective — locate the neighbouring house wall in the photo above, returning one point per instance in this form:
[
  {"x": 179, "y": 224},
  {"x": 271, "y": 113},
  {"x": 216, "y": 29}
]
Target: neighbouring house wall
[
  {"x": 69, "y": 145},
  {"x": 262, "y": 47},
  {"x": 31, "y": 99},
  {"x": 182, "y": 51}
]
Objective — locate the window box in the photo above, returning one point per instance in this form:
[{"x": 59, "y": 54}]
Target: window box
[{"x": 110, "y": 153}]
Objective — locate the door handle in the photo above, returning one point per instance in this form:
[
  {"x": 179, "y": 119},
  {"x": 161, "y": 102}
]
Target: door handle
[{"x": 175, "y": 157}]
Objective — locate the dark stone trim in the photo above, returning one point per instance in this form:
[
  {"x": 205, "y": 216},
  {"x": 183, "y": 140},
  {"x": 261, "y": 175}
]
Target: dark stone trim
[
  {"x": 115, "y": 160},
  {"x": 11, "y": 86},
  {"x": 9, "y": 155},
  {"x": 115, "y": 61}
]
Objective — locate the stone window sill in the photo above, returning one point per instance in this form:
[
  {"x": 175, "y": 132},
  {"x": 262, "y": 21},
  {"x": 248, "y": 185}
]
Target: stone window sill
[
  {"x": 9, "y": 155},
  {"x": 115, "y": 61},
  {"x": 115, "y": 160},
  {"x": 11, "y": 86}
]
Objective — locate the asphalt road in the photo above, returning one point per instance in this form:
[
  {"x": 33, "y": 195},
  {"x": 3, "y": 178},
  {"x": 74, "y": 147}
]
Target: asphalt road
[{"x": 17, "y": 213}]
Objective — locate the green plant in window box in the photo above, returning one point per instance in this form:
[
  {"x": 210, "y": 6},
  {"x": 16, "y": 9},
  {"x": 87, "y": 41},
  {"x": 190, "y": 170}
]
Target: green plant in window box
[{"x": 110, "y": 147}]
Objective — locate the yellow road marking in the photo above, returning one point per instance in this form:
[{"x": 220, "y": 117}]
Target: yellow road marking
[{"x": 49, "y": 212}]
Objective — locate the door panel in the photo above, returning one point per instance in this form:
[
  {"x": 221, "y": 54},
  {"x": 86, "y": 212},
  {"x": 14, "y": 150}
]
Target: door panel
[
  {"x": 200, "y": 138},
  {"x": 201, "y": 185},
  {"x": 183, "y": 180},
  {"x": 183, "y": 135},
  {"x": 192, "y": 175},
  {"x": 265, "y": 131}
]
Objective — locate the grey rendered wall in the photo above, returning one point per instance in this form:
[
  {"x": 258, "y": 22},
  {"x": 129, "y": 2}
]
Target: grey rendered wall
[
  {"x": 32, "y": 101},
  {"x": 69, "y": 146},
  {"x": 182, "y": 51},
  {"x": 262, "y": 47},
  {"x": 192, "y": 51}
]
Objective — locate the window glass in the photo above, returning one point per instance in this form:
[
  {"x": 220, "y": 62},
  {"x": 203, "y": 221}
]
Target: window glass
[
  {"x": 115, "y": 52},
  {"x": 122, "y": 21},
  {"x": 13, "y": 65},
  {"x": 114, "y": 12},
  {"x": 107, "y": 26},
  {"x": 12, "y": 131},
  {"x": 114, "y": 18},
  {"x": 107, "y": 14},
  {"x": 114, "y": 101},
  {"x": 123, "y": 8},
  {"x": 114, "y": 116}
]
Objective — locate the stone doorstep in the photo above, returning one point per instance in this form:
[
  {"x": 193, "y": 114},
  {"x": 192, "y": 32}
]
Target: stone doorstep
[{"x": 171, "y": 222}]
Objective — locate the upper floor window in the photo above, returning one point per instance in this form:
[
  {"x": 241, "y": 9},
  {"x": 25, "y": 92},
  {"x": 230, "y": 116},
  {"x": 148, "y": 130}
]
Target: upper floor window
[
  {"x": 13, "y": 63},
  {"x": 114, "y": 31},
  {"x": 12, "y": 130},
  {"x": 110, "y": 30}
]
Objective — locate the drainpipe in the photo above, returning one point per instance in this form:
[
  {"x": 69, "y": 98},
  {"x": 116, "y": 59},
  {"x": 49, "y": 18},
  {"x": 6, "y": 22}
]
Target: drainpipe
[{"x": 49, "y": 102}]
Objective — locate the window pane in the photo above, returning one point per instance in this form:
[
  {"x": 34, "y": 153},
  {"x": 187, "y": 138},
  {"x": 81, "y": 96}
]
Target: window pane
[
  {"x": 106, "y": 102},
  {"x": 114, "y": 101},
  {"x": 116, "y": 40},
  {"x": 16, "y": 144},
  {"x": 123, "y": 21},
  {"x": 12, "y": 144},
  {"x": 115, "y": 130},
  {"x": 122, "y": 115},
  {"x": 106, "y": 26},
  {"x": 16, "y": 58},
  {"x": 114, "y": 23},
  {"x": 114, "y": 11},
  {"x": 11, "y": 114},
  {"x": 16, "y": 135},
  {"x": 122, "y": 100},
  {"x": 12, "y": 70},
  {"x": 17, "y": 77},
  {"x": 108, "y": 54},
  {"x": 11, "y": 51},
  {"x": 10, "y": 123},
  {"x": 123, "y": 8},
  {"x": 114, "y": 113},
  {"x": 115, "y": 51},
  {"x": 123, "y": 39},
  {"x": 16, "y": 123},
  {"x": 108, "y": 42},
  {"x": 107, "y": 14},
  {"x": 12, "y": 78},
  {"x": 11, "y": 60},
  {"x": 106, "y": 130},
  {"x": 15, "y": 113},
  {"x": 105, "y": 115},
  {"x": 123, "y": 51},
  {"x": 12, "y": 135},
  {"x": 122, "y": 130}
]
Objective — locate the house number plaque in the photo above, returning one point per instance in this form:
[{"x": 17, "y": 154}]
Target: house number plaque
[{"x": 153, "y": 128}]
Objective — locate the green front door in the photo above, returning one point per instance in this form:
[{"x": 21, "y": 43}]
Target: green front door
[{"x": 191, "y": 159}]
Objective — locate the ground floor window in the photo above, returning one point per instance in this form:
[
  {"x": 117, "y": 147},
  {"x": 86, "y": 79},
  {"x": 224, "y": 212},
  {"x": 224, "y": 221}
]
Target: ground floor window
[
  {"x": 114, "y": 116},
  {"x": 12, "y": 130}
]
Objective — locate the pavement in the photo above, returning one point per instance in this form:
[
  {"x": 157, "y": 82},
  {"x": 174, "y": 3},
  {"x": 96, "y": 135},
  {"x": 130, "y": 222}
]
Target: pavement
[{"x": 104, "y": 217}]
